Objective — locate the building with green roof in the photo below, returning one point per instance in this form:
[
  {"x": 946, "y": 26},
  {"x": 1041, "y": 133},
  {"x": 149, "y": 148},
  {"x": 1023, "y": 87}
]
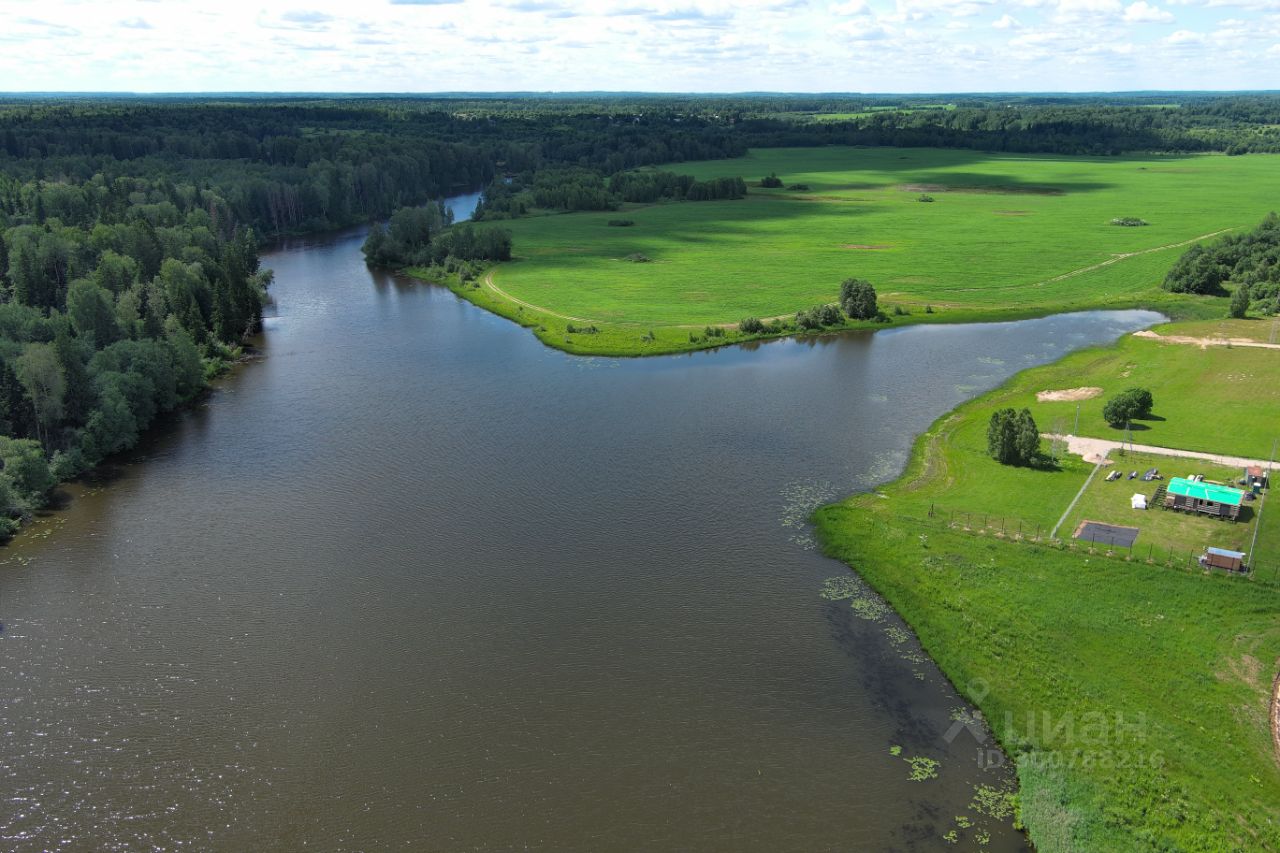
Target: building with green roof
[{"x": 1199, "y": 496}]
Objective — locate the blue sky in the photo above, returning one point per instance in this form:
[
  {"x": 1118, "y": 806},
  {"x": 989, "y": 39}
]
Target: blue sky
[{"x": 638, "y": 45}]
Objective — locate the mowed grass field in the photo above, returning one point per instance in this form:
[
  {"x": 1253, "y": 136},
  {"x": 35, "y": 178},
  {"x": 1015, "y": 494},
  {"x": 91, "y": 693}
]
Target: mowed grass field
[
  {"x": 1223, "y": 400},
  {"x": 1134, "y": 696},
  {"x": 1005, "y": 235}
]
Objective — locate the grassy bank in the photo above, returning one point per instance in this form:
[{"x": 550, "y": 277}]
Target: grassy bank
[
  {"x": 1005, "y": 237},
  {"x": 1132, "y": 695}
]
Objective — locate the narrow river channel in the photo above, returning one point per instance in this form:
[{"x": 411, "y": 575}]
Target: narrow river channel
[{"x": 414, "y": 580}]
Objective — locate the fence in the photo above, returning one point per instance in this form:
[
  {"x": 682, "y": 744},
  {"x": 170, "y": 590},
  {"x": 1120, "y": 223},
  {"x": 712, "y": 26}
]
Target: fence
[{"x": 1037, "y": 533}]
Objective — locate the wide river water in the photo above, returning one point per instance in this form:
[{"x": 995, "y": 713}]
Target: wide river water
[{"x": 414, "y": 580}]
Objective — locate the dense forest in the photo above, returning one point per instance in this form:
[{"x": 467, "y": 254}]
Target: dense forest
[
  {"x": 129, "y": 226},
  {"x": 121, "y": 296},
  {"x": 1250, "y": 263}
]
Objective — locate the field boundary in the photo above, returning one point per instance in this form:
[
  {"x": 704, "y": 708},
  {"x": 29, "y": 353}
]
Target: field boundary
[{"x": 1087, "y": 480}]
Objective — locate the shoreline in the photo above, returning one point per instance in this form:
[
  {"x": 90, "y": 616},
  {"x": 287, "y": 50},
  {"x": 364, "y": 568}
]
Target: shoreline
[
  {"x": 876, "y": 537},
  {"x": 638, "y": 340}
]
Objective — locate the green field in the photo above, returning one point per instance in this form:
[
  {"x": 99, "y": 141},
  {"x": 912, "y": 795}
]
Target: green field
[
  {"x": 1005, "y": 236},
  {"x": 1216, "y": 400},
  {"x": 1235, "y": 385},
  {"x": 1044, "y": 636}
]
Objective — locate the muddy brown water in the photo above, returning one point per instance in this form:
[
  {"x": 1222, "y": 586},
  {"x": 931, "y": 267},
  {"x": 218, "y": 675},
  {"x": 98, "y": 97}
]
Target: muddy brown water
[{"x": 413, "y": 580}]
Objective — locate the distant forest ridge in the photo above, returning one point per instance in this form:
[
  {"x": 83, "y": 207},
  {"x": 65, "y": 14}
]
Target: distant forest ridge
[{"x": 289, "y": 164}]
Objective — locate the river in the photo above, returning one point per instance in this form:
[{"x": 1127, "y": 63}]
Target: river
[{"x": 413, "y": 578}]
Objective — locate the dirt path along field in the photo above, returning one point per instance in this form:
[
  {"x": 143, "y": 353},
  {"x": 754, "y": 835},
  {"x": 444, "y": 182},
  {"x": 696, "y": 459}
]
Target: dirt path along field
[
  {"x": 1093, "y": 448},
  {"x": 1203, "y": 343}
]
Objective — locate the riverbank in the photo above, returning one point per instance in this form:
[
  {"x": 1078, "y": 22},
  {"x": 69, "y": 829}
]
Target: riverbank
[
  {"x": 1133, "y": 696},
  {"x": 1003, "y": 237},
  {"x": 588, "y": 337}
]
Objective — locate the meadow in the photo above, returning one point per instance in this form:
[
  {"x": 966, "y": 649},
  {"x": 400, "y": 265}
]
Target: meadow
[
  {"x": 1217, "y": 400},
  {"x": 1133, "y": 695},
  {"x": 1004, "y": 236}
]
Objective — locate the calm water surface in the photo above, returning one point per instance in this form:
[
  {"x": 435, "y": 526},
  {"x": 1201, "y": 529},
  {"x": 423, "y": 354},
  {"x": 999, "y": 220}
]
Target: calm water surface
[{"x": 415, "y": 580}]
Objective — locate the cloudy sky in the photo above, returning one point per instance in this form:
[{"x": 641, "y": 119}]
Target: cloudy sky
[{"x": 639, "y": 45}]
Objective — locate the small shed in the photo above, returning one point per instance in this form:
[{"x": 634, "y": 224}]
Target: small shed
[
  {"x": 1208, "y": 498},
  {"x": 1255, "y": 474},
  {"x": 1138, "y": 501},
  {"x": 1221, "y": 558}
]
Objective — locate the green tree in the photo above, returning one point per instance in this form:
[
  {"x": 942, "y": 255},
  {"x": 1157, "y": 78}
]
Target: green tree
[
  {"x": 1027, "y": 437},
  {"x": 115, "y": 273},
  {"x": 1240, "y": 302},
  {"x": 1013, "y": 437},
  {"x": 26, "y": 466},
  {"x": 92, "y": 312},
  {"x": 1142, "y": 401},
  {"x": 79, "y": 397},
  {"x": 1119, "y": 410},
  {"x": 1002, "y": 436},
  {"x": 858, "y": 299},
  {"x": 17, "y": 415},
  {"x": 41, "y": 374}
]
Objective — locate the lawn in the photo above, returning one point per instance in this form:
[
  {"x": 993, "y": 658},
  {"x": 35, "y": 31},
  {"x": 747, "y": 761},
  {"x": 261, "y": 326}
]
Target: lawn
[
  {"x": 1133, "y": 696},
  {"x": 1004, "y": 236}
]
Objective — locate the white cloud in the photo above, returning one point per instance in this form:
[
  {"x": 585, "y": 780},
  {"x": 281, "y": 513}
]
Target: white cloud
[
  {"x": 656, "y": 45},
  {"x": 1080, "y": 9},
  {"x": 858, "y": 31},
  {"x": 1143, "y": 12}
]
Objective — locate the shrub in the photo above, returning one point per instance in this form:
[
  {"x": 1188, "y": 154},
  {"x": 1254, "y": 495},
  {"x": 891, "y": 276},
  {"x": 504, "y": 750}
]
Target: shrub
[
  {"x": 1129, "y": 221},
  {"x": 800, "y": 188},
  {"x": 751, "y": 325},
  {"x": 621, "y": 223},
  {"x": 772, "y": 182},
  {"x": 819, "y": 316},
  {"x": 928, "y": 309},
  {"x": 713, "y": 331},
  {"x": 924, "y": 197},
  {"x": 899, "y": 311}
]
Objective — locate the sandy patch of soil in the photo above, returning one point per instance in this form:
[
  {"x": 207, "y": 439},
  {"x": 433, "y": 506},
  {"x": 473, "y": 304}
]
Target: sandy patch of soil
[
  {"x": 1203, "y": 343},
  {"x": 1065, "y": 395}
]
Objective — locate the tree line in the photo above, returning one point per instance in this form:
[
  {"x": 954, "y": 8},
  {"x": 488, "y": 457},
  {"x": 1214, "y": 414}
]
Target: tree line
[
  {"x": 574, "y": 189},
  {"x": 118, "y": 299},
  {"x": 424, "y": 236},
  {"x": 1249, "y": 263}
]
